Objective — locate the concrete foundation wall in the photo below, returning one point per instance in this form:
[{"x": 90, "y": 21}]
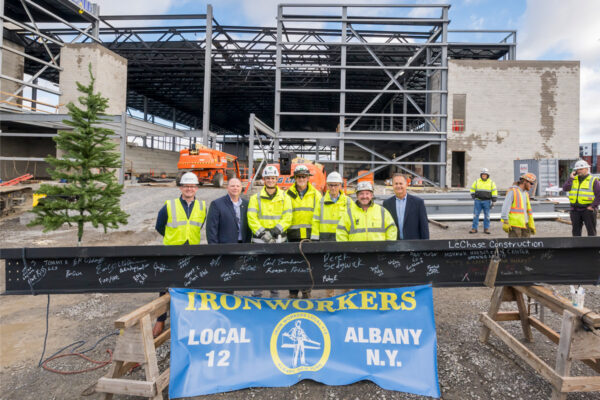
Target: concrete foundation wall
[
  {"x": 109, "y": 70},
  {"x": 13, "y": 65},
  {"x": 143, "y": 161},
  {"x": 514, "y": 110}
]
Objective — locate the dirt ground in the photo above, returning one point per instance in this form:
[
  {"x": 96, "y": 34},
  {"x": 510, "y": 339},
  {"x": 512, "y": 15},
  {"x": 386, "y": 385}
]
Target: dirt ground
[{"x": 467, "y": 369}]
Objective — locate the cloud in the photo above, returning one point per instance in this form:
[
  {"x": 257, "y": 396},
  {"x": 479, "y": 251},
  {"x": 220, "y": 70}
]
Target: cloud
[
  {"x": 476, "y": 23},
  {"x": 134, "y": 7},
  {"x": 556, "y": 29}
]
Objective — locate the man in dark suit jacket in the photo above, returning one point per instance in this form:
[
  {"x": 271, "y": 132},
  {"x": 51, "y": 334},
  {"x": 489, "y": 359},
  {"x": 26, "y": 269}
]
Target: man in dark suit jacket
[
  {"x": 227, "y": 220},
  {"x": 408, "y": 211}
]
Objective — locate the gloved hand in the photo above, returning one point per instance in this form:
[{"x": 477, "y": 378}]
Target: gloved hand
[
  {"x": 531, "y": 225},
  {"x": 532, "y": 230},
  {"x": 506, "y": 226},
  {"x": 273, "y": 240},
  {"x": 266, "y": 236},
  {"x": 473, "y": 196},
  {"x": 275, "y": 231}
]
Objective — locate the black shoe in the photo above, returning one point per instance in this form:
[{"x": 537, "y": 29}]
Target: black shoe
[{"x": 473, "y": 231}]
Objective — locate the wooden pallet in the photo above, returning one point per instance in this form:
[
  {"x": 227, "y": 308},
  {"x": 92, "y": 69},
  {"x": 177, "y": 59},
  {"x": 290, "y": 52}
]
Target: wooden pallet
[
  {"x": 579, "y": 337},
  {"x": 135, "y": 345}
]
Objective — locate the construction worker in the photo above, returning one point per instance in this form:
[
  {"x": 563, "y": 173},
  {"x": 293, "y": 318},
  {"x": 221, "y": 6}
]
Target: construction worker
[
  {"x": 485, "y": 194},
  {"x": 364, "y": 220},
  {"x": 584, "y": 195},
  {"x": 516, "y": 216},
  {"x": 180, "y": 221},
  {"x": 304, "y": 198},
  {"x": 269, "y": 213},
  {"x": 328, "y": 212}
]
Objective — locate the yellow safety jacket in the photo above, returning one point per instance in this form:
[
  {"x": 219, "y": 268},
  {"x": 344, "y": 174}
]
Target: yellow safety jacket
[
  {"x": 582, "y": 193},
  {"x": 484, "y": 190},
  {"x": 302, "y": 212},
  {"x": 265, "y": 212},
  {"x": 375, "y": 224},
  {"x": 326, "y": 216},
  {"x": 179, "y": 228},
  {"x": 520, "y": 214}
]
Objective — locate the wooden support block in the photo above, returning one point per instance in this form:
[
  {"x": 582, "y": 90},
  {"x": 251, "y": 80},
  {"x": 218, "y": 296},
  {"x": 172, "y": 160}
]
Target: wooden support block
[
  {"x": 563, "y": 358},
  {"x": 493, "y": 311},
  {"x": 129, "y": 346},
  {"x": 160, "y": 304},
  {"x": 581, "y": 384},
  {"x": 585, "y": 344},
  {"x": 523, "y": 352},
  {"x": 163, "y": 380},
  {"x": 492, "y": 272},
  {"x": 128, "y": 387},
  {"x": 151, "y": 364},
  {"x": 507, "y": 316}
]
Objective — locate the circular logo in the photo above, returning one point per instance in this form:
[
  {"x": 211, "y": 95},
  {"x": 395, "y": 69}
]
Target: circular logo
[{"x": 297, "y": 341}]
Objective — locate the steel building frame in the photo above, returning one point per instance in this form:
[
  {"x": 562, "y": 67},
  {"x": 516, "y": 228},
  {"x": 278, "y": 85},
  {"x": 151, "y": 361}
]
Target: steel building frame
[{"x": 382, "y": 79}]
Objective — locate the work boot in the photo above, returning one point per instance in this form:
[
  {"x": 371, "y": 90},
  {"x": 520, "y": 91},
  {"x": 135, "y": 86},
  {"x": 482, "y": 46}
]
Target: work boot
[
  {"x": 486, "y": 231},
  {"x": 306, "y": 294},
  {"x": 329, "y": 293},
  {"x": 293, "y": 295},
  {"x": 473, "y": 231},
  {"x": 274, "y": 294},
  {"x": 158, "y": 328}
]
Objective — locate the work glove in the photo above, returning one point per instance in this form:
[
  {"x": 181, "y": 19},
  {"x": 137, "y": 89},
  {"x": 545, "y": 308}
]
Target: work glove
[
  {"x": 275, "y": 231},
  {"x": 505, "y": 226},
  {"x": 273, "y": 240},
  {"x": 531, "y": 225},
  {"x": 532, "y": 230},
  {"x": 266, "y": 236},
  {"x": 473, "y": 196}
]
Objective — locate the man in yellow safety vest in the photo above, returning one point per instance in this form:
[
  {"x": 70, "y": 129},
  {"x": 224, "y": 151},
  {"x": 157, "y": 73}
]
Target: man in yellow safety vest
[
  {"x": 180, "y": 221},
  {"x": 328, "y": 212},
  {"x": 304, "y": 198},
  {"x": 485, "y": 194},
  {"x": 364, "y": 220},
  {"x": 516, "y": 216},
  {"x": 584, "y": 196},
  {"x": 269, "y": 213}
]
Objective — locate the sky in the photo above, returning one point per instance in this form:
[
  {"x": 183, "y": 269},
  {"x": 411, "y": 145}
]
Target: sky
[{"x": 546, "y": 30}]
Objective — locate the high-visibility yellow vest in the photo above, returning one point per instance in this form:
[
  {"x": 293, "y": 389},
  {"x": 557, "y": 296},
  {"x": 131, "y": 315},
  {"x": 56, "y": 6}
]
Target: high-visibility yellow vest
[
  {"x": 484, "y": 190},
  {"x": 265, "y": 212},
  {"x": 326, "y": 216},
  {"x": 302, "y": 211},
  {"x": 582, "y": 193},
  {"x": 520, "y": 210},
  {"x": 375, "y": 224},
  {"x": 179, "y": 228}
]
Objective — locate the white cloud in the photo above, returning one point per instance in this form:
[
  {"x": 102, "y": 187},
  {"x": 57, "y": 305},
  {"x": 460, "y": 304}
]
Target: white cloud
[
  {"x": 567, "y": 30},
  {"x": 476, "y": 23},
  {"x": 133, "y": 7}
]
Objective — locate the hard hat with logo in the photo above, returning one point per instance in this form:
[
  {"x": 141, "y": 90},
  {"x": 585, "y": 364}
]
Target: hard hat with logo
[
  {"x": 189, "y": 178},
  {"x": 301, "y": 170},
  {"x": 270, "y": 170},
  {"x": 529, "y": 177},
  {"x": 485, "y": 171},
  {"x": 365, "y": 185},
  {"x": 581, "y": 164},
  {"x": 334, "y": 177}
]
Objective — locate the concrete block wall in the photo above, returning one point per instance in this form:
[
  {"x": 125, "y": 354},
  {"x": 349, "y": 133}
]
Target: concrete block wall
[
  {"x": 25, "y": 147},
  {"x": 144, "y": 160},
  {"x": 109, "y": 70},
  {"x": 514, "y": 110},
  {"x": 13, "y": 65}
]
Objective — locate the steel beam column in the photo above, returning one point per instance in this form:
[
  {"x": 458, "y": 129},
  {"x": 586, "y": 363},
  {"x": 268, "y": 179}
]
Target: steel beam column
[{"x": 207, "y": 75}]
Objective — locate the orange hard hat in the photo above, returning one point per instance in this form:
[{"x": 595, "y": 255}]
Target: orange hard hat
[{"x": 529, "y": 177}]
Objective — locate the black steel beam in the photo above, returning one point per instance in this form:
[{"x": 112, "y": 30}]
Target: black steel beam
[{"x": 282, "y": 266}]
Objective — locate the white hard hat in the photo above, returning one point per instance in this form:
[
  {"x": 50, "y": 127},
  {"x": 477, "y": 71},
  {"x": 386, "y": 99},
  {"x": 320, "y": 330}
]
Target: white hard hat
[
  {"x": 334, "y": 177},
  {"x": 365, "y": 185},
  {"x": 189, "y": 178},
  {"x": 485, "y": 171},
  {"x": 581, "y": 164},
  {"x": 301, "y": 170},
  {"x": 270, "y": 170}
]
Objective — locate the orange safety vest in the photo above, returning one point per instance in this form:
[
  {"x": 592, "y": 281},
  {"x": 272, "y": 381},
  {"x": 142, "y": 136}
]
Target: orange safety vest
[{"x": 516, "y": 215}]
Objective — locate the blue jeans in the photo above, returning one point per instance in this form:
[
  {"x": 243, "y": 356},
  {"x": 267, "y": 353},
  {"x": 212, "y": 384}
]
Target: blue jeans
[{"x": 484, "y": 205}]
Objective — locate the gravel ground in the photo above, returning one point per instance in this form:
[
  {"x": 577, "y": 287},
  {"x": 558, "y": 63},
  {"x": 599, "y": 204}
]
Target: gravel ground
[{"x": 467, "y": 369}]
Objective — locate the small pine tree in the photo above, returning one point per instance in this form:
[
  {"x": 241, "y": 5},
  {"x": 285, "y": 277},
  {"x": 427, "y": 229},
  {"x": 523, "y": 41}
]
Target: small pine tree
[{"x": 92, "y": 192}]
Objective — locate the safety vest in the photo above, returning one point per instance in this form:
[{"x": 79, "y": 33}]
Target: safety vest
[
  {"x": 375, "y": 224},
  {"x": 302, "y": 211},
  {"x": 520, "y": 210},
  {"x": 265, "y": 212},
  {"x": 484, "y": 190},
  {"x": 582, "y": 193},
  {"x": 327, "y": 215},
  {"x": 179, "y": 228}
]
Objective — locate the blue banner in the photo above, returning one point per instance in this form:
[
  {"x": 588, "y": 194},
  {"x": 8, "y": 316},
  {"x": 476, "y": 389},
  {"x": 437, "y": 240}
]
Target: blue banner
[{"x": 223, "y": 342}]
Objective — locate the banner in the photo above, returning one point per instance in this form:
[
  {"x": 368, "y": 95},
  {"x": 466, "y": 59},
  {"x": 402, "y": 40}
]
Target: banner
[{"x": 223, "y": 342}]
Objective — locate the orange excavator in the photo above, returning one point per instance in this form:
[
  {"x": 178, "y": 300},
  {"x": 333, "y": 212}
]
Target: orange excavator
[{"x": 209, "y": 165}]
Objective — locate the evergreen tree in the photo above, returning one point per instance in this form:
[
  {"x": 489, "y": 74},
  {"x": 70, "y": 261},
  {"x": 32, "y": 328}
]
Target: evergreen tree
[{"x": 91, "y": 193}]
